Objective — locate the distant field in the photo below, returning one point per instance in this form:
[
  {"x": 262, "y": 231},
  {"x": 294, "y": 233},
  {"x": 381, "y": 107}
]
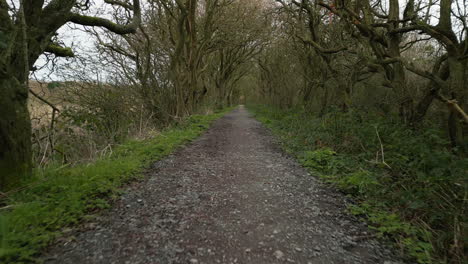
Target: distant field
[{"x": 41, "y": 113}]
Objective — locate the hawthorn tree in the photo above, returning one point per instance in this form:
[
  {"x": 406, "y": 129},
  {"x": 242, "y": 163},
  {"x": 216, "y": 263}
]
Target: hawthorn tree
[
  {"x": 385, "y": 29},
  {"x": 28, "y": 29},
  {"x": 373, "y": 39}
]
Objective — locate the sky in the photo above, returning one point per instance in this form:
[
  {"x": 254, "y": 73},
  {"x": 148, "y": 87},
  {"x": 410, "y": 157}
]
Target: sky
[{"x": 83, "y": 45}]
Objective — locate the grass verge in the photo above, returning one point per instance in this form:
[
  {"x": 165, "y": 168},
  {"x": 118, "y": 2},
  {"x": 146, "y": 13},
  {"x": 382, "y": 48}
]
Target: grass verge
[
  {"x": 407, "y": 182},
  {"x": 57, "y": 198}
]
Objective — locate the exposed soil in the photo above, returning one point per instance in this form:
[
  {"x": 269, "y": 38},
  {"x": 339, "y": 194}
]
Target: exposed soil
[{"x": 232, "y": 196}]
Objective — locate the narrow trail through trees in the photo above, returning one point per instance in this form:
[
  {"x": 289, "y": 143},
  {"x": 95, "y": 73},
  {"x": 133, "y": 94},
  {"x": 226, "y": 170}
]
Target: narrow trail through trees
[{"x": 232, "y": 196}]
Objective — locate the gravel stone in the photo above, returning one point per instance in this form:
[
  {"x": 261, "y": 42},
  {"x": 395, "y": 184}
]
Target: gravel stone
[
  {"x": 278, "y": 254},
  {"x": 228, "y": 192}
]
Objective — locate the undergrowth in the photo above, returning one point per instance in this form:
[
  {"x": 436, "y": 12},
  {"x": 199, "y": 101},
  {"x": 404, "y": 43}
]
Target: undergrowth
[
  {"x": 407, "y": 182},
  {"x": 57, "y": 198}
]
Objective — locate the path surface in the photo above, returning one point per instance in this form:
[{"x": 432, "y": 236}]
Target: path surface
[{"x": 232, "y": 196}]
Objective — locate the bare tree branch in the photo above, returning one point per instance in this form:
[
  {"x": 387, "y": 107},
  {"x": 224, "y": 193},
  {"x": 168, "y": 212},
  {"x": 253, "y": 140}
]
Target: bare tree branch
[
  {"x": 319, "y": 48},
  {"x": 455, "y": 106},
  {"x": 44, "y": 100},
  {"x": 102, "y": 22},
  {"x": 119, "y": 3}
]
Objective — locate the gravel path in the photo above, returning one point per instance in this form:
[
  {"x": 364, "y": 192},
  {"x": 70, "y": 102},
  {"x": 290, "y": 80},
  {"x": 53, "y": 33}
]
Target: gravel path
[{"x": 232, "y": 196}]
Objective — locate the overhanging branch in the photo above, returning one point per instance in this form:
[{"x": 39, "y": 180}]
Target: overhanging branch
[
  {"x": 59, "y": 51},
  {"x": 105, "y": 23},
  {"x": 429, "y": 30},
  {"x": 434, "y": 78}
]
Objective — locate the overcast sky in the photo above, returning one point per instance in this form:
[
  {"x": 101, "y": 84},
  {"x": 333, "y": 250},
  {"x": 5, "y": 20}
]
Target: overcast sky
[{"x": 82, "y": 44}]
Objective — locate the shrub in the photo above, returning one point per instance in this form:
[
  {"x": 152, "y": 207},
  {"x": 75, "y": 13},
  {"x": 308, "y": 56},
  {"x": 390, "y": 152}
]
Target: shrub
[
  {"x": 407, "y": 181},
  {"x": 60, "y": 197}
]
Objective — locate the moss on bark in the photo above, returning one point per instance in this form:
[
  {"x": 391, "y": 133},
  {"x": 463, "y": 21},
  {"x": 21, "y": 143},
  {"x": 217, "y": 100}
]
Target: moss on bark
[{"x": 15, "y": 133}]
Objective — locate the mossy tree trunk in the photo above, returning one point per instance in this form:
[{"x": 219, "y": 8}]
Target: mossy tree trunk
[
  {"x": 15, "y": 132},
  {"x": 26, "y": 32}
]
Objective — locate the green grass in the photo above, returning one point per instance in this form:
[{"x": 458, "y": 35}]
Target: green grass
[
  {"x": 415, "y": 195},
  {"x": 62, "y": 197}
]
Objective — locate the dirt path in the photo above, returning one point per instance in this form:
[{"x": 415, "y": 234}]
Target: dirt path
[{"x": 232, "y": 196}]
